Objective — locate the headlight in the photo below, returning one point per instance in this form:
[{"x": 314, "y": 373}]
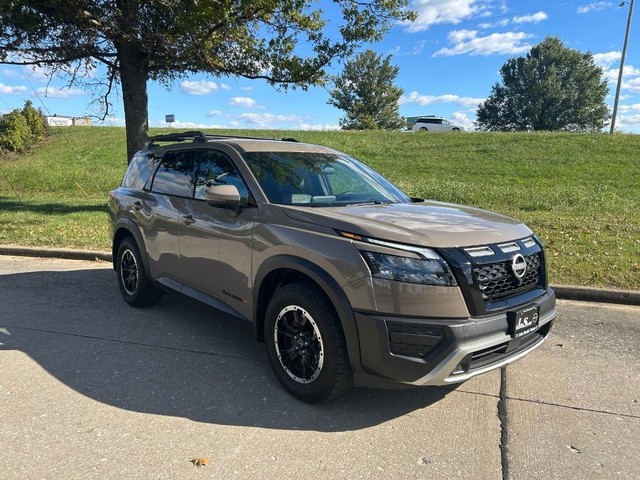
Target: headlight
[{"x": 425, "y": 271}]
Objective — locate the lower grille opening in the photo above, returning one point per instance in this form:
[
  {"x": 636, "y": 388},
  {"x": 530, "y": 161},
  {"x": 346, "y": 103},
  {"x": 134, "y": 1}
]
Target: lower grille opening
[
  {"x": 497, "y": 353},
  {"x": 413, "y": 340}
]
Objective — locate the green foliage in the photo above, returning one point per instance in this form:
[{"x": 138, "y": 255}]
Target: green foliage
[
  {"x": 366, "y": 92},
  {"x": 35, "y": 120},
  {"x": 285, "y": 42},
  {"x": 20, "y": 129},
  {"x": 551, "y": 88},
  {"x": 14, "y": 131}
]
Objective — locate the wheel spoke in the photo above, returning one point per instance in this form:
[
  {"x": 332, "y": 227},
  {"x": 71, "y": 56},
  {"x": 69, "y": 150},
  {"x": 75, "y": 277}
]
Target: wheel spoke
[{"x": 299, "y": 344}]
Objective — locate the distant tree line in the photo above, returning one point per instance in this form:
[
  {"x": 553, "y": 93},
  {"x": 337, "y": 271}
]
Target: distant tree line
[
  {"x": 22, "y": 128},
  {"x": 550, "y": 88}
]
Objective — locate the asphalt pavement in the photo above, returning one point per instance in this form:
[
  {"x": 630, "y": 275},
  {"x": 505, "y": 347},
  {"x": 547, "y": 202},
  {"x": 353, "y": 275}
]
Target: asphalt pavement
[{"x": 92, "y": 388}]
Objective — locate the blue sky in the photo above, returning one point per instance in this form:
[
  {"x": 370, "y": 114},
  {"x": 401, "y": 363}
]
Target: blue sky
[{"x": 449, "y": 58}]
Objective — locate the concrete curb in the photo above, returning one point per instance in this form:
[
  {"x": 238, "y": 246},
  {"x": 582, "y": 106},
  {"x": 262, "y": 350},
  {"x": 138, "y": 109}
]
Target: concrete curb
[
  {"x": 66, "y": 253},
  {"x": 600, "y": 295},
  {"x": 564, "y": 292}
]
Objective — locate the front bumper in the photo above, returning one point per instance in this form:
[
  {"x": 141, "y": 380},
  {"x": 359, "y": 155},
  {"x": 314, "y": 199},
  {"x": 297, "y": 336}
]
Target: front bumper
[{"x": 434, "y": 351}]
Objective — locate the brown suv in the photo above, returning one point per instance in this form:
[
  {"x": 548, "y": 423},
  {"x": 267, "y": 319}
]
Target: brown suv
[{"x": 345, "y": 278}]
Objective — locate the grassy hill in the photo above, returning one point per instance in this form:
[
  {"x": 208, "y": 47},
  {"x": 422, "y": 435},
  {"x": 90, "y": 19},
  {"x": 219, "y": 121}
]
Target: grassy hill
[{"x": 579, "y": 192}]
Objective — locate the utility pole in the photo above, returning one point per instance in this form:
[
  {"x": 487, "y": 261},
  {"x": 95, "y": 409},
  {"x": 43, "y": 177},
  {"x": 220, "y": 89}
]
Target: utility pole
[{"x": 624, "y": 53}]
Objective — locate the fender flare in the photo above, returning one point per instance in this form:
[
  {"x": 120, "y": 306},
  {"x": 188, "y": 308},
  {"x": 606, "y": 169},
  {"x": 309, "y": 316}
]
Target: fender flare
[
  {"x": 328, "y": 285},
  {"x": 129, "y": 225}
]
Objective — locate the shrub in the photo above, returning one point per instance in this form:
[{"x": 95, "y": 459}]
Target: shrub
[
  {"x": 14, "y": 131},
  {"x": 35, "y": 120},
  {"x": 20, "y": 129}
]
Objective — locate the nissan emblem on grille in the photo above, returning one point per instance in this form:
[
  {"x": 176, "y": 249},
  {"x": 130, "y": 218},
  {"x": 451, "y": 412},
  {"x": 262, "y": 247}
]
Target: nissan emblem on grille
[{"x": 519, "y": 266}]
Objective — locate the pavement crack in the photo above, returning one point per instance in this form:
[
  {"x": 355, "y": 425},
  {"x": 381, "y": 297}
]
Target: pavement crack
[
  {"x": 140, "y": 344},
  {"x": 572, "y": 407},
  {"x": 504, "y": 432}
]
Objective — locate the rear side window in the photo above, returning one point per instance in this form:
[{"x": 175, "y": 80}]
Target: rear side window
[
  {"x": 140, "y": 169},
  {"x": 175, "y": 175}
]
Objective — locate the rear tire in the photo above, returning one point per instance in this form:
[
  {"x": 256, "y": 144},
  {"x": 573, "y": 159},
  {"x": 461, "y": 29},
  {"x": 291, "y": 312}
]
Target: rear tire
[
  {"x": 306, "y": 345},
  {"x": 135, "y": 286}
]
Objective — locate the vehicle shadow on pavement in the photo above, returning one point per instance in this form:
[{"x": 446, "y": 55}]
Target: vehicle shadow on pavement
[{"x": 177, "y": 358}]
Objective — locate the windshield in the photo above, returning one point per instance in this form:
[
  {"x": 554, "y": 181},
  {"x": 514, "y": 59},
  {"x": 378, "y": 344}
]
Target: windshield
[{"x": 320, "y": 179}]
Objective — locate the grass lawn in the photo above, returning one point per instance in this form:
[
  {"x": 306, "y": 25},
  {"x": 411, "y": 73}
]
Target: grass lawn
[{"x": 579, "y": 192}]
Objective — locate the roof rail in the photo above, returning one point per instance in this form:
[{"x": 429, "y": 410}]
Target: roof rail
[
  {"x": 194, "y": 135},
  {"x": 200, "y": 137},
  {"x": 246, "y": 137}
]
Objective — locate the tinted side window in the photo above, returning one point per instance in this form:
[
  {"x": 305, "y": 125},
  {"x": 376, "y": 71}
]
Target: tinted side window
[
  {"x": 140, "y": 169},
  {"x": 215, "y": 168},
  {"x": 175, "y": 174}
]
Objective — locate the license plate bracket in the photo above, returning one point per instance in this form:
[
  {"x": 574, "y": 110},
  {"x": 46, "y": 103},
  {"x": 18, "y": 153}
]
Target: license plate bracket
[{"x": 524, "y": 321}]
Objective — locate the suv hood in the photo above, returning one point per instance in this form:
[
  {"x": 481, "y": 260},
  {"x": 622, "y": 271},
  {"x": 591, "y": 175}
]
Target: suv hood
[{"x": 428, "y": 223}]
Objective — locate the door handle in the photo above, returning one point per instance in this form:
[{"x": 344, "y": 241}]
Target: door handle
[
  {"x": 188, "y": 220},
  {"x": 137, "y": 205}
]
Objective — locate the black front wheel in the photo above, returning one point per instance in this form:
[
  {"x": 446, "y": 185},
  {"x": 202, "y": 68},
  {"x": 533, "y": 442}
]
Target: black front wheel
[
  {"x": 135, "y": 286},
  {"x": 305, "y": 344}
]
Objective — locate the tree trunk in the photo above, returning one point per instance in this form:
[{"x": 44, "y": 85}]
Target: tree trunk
[{"x": 133, "y": 77}]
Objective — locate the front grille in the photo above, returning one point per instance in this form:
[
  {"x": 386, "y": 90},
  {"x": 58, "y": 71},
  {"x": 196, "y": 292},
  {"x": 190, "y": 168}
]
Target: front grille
[
  {"x": 497, "y": 280},
  {"x": 413, "y": 340}
]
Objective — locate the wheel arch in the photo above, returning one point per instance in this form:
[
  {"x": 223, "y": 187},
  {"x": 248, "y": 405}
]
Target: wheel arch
[
  {"x": 282, "y": 270},
  {"x": 125, "y": 227}
]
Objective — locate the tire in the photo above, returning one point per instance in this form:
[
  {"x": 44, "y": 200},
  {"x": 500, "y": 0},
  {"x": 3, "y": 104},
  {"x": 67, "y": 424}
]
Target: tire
[
  {"x": 455, "y": 129},
  {"x": 305, "y": 344},
  {"x": 424, "y": 129},
  {"x": 135, "y": 286}
]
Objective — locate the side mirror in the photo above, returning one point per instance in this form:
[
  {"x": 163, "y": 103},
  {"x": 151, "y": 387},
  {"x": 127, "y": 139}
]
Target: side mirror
[{"x": 224, "y": 196}]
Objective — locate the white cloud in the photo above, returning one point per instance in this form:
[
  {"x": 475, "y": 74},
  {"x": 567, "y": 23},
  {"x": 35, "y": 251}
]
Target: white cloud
[
  {"x": 185, "y": 125},
  {"x": 630, "y": 77},
  {"x": 215, "y": 113},
  {"x": 628, "y": 121},
  {"x": 200, "y": 87},
  {"x": 501, "y": 23},
  {"x": 115, "y": 122},
  {"x": 630, "y": 108},
  {"x": 435, "y": 12},
  {"x": 61, "y": 92},
  {"x": 244, "y": 102},
  {"x": 8, "y": 73},
  {"x": 224, "y": 86},
  {"x": 633, "y": 84},
  {"x": 594, "y": 7},
  {"x": 534, "y": 18},
  {"x": 519, "y": 20},
  {"x": 416, "y": 49},
  {"x": 468, "y": 42},
  {"x": 9, "y": 90},
  {"x": 462, "y": 118},
  {"x": 317, "y": 128},
  {"x": 607, "y": 58},
  {"x": 267, "y": 120},
  {"x": 415, "y": 97}
]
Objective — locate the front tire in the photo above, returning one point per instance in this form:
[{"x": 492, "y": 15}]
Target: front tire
[
  {"x": 305, "y": 344},
  {"x": 135, "y": 286}
]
